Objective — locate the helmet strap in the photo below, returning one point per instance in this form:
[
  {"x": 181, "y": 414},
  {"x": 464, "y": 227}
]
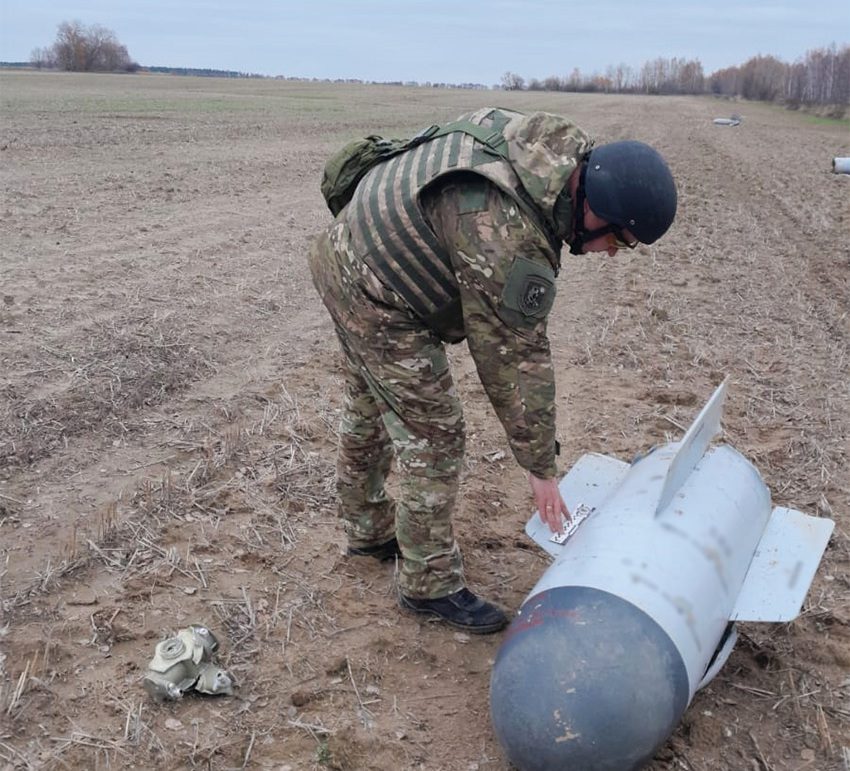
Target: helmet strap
[{"x": 579, "y": 232}]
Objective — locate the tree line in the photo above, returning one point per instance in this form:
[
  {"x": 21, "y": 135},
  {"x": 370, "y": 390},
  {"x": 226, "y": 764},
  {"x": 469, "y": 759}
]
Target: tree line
[
  {"x": 821, "y": 77},
  {"x": 202, "y": 72}
]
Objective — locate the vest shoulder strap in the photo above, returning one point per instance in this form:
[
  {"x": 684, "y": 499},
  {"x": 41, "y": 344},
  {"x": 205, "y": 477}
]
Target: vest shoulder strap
[{"x": 493, "y": 140}]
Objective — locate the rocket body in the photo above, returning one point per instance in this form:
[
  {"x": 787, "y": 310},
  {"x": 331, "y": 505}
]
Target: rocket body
[{"x": 637, "y": 610}]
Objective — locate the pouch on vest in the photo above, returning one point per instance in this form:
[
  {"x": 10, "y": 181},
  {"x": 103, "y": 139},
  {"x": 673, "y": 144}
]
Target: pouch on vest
[{"x": 346, "y": 167}]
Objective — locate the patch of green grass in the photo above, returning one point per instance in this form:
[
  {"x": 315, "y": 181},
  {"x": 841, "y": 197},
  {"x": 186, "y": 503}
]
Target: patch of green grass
[
  {"x": 94, "y": 94},
  {"x": 324, "y": 756},
  {"x": 819, "y": 120}
]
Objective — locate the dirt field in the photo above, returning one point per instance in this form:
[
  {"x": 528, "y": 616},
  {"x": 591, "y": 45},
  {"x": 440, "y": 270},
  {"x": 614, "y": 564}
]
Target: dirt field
[{"x": 169, "y": 395}]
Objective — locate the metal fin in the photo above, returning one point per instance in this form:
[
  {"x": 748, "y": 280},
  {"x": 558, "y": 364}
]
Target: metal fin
[
  {"x": 783, "y": 567},
  {"x": 693, "y": 446}
]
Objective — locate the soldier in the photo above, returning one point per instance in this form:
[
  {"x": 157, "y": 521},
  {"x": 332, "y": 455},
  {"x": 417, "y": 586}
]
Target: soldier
[{"x": 460, "y": 238}]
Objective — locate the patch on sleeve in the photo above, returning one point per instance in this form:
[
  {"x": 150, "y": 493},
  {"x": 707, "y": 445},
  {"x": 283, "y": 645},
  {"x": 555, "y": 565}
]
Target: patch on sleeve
[{"x": 530, "y": 289}]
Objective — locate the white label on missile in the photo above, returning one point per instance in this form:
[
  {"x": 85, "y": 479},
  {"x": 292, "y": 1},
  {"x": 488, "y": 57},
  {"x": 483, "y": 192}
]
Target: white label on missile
[
  {"x": 592, "y": 479},
  {"x": 581, "y": 513}
]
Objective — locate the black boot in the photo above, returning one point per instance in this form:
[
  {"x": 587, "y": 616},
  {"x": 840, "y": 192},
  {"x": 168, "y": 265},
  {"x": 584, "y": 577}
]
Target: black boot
[
  {"x": 462, "y": 610},
  {"x": 382, "y": 551}
]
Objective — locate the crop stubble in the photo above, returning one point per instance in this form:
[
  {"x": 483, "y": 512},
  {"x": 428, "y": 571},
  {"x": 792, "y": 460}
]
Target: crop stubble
[{"x": 169, "y": 389}]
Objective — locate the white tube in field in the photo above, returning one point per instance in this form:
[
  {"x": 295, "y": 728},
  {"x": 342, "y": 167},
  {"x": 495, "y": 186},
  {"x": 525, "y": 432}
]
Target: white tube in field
[
  {"x": 841, "y": 165},
  {"x": 637, "y": 610}
]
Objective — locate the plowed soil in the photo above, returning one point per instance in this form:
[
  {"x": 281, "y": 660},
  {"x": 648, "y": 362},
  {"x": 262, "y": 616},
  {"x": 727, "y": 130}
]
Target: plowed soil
[{"x": 169, "y": 398}]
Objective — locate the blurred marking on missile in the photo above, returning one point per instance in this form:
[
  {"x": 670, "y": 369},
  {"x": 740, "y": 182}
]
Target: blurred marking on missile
[{"x": 783, "y": 561}]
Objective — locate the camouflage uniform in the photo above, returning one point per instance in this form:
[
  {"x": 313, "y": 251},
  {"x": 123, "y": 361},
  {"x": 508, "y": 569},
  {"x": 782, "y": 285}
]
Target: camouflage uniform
[{"x": 501, "y": 257}]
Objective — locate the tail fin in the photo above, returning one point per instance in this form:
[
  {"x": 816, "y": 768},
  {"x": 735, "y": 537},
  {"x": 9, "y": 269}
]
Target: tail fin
[{"x": 693, "y": 446}]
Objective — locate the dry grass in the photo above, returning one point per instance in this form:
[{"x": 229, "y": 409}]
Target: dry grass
[
  {"x": 226, "y": 468},
  {"x": 126, "y": 364}
]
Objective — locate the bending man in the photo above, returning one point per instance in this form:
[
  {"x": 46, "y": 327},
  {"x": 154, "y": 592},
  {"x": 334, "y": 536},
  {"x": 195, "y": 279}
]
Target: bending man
[{"x": 460, "y": 238}]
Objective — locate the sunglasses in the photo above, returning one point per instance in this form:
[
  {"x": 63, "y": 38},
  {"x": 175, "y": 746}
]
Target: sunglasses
[{"x": 616, "y": 237}]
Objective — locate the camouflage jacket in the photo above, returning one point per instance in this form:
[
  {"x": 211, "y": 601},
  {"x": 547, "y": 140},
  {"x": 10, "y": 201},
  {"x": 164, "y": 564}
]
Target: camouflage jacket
[
  {"x": 502, "y": 262},
  {"x": 471, "y": 242},
  {"x": 392, "y": 234}
]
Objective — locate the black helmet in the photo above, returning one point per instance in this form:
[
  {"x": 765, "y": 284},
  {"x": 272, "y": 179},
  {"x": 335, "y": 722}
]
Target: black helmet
[{"x": 629, "y": 184}]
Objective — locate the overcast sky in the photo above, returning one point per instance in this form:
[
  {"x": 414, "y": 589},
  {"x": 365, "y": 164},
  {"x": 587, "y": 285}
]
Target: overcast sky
[{"x": 451, "y": 41}]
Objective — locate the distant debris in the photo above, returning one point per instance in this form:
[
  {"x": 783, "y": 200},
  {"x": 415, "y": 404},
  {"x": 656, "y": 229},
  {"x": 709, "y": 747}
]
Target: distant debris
[
  {"x": 732, "y": 120},
  {"x": 841, "y": 165}
]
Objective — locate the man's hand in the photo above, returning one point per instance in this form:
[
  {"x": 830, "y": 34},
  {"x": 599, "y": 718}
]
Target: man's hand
[{"x": 549, "y": 502}]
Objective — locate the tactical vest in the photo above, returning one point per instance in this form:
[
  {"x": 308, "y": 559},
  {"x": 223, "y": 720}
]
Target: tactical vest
[{"x": 391, "y": 234}]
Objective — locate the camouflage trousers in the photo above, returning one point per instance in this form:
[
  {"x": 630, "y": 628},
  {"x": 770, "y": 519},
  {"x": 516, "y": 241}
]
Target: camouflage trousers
[{"x": 400, "y": 402}]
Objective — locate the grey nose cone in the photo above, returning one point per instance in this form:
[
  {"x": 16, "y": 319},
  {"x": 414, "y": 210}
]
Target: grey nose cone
[{"x": 585, "y": 681}]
